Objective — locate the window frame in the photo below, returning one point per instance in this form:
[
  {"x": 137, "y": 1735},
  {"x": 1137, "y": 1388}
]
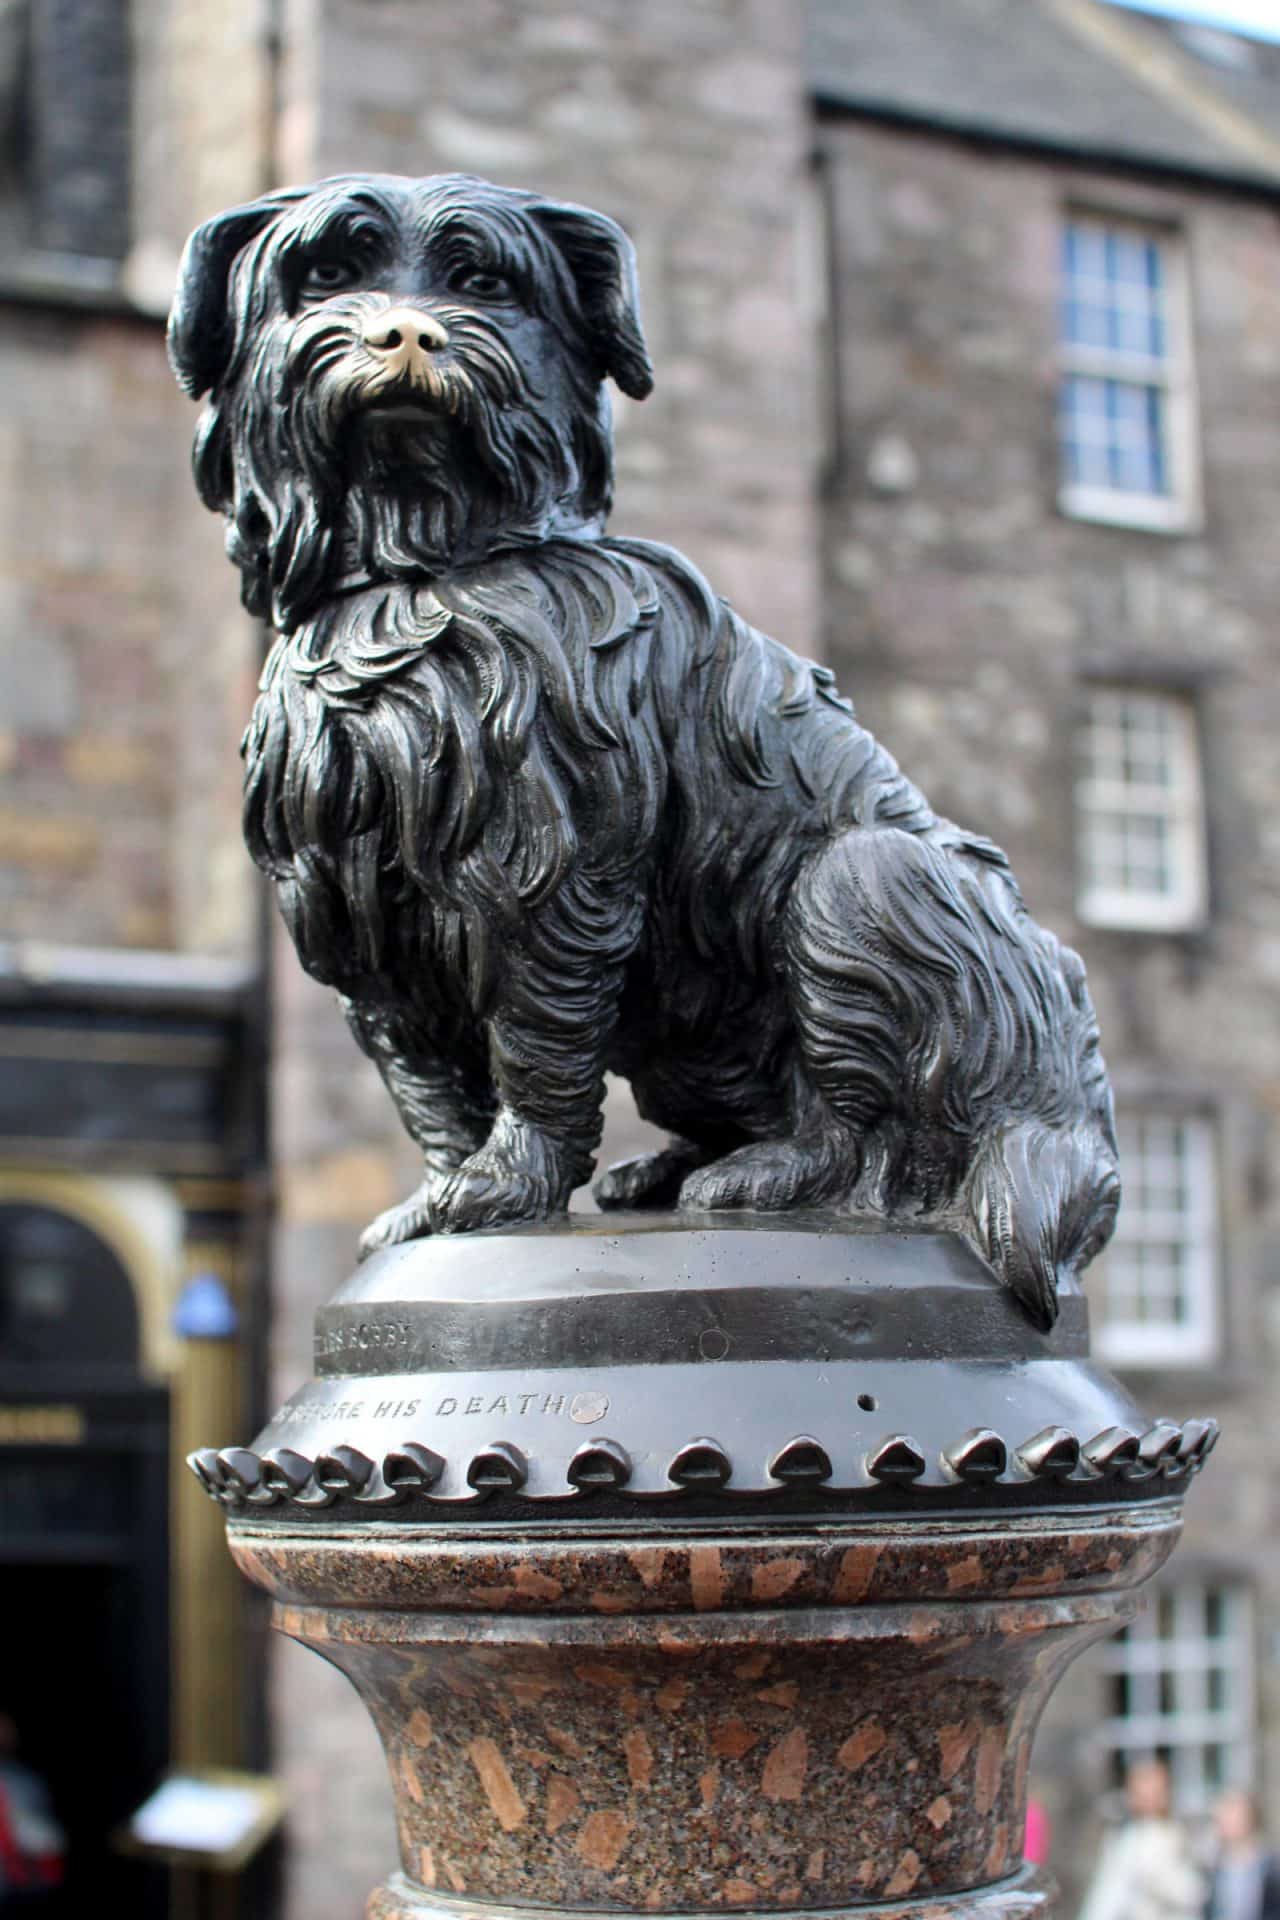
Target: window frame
[
  {"x": 1198, "y": 1341},
  {"x": 1142, "y": 1654},
  {"x": 1180, "y": 510},
  {"x": 1126, "y": 909}
]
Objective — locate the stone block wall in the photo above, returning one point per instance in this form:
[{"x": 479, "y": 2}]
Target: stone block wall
[
  {"x": 119, "y": 627},
  {"x": 127, "y": 664}
]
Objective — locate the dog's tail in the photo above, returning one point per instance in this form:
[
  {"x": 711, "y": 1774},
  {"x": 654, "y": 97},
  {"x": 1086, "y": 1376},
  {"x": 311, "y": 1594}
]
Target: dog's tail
[{"x": 1039, "y": 1203}]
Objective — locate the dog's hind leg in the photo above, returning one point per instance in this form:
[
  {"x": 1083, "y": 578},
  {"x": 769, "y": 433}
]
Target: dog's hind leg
[
  {"x": 650, "y": 1179},
  {"x": 849, "y": 1052},
  {"x": 851, "y": 992},
  {"x": 817, "y": 1162},
  {"x": 840, "y": 1088},
  {"x": 770, "y": 1175}
]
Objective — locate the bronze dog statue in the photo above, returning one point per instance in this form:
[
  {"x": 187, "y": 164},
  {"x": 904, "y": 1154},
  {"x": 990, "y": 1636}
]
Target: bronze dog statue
[{"x": 539, "y": 804}]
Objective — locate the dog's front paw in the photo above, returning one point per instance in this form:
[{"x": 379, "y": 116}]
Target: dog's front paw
[
  {"x": 411, "y": 1220},
  {"x": 488, "y": 1191},
  {"x": 520, "y": 1173}
]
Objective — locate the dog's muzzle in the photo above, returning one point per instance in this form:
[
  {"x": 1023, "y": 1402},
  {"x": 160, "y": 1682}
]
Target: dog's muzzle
[{"x": 405, "y": 340}]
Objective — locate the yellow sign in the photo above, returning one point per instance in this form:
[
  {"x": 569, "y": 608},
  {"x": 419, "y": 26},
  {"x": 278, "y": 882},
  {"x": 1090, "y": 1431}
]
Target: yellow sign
[{"x": 35, "y": 1426}]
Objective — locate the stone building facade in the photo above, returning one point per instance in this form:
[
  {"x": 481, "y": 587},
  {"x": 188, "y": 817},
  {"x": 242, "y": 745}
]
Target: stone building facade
[
  {"x": 992, "y": 624},
  {"x": 851, "y": 240}
]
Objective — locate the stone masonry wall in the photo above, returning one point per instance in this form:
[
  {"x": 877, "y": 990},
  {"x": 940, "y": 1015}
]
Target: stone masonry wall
[
  {"x": 113, "y": 614},
  {"x": 126, "y": 662},
  {"x": 961, "y": 610},
  {"x": 686, "y": 120}
]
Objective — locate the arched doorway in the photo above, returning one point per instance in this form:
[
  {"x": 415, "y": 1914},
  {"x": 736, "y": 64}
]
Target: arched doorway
[{"x": 84, "y": 1552}]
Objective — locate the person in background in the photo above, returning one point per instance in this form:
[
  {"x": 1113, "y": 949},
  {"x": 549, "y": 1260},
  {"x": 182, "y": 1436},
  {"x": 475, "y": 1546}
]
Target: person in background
[
  {"x": 1039, "y": 1832},
  {"x": 1145, "y": 1870},
  {"x": 1244, "y": 1883},
  {"x": 32, "y": 1844}
]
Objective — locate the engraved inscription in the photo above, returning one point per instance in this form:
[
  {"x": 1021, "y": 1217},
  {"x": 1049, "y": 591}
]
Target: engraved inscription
[
  {"x": 367, "y": 1336},
  {"x": 584, "y": 1408},
  {"x": 319, "y": 1410},
  {"x": 396, "y": 1409}
]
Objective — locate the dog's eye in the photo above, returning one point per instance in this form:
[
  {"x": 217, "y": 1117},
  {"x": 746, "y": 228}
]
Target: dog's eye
[
  {"x": 327, "y": 276},
  {"x": 479, "y": 282}
]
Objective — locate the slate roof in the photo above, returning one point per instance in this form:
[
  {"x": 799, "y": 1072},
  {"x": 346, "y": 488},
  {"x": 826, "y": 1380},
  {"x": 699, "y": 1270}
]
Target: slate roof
[{"x": 1067, "y": 76}]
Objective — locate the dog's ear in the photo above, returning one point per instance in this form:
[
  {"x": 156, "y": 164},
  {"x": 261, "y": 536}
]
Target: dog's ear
[
  {"x": 602, "y": 262},
  {"x": 200, "y": 332}
]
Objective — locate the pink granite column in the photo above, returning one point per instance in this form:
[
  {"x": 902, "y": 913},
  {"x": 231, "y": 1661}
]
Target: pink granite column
[{"x": 752, "y": 1720}]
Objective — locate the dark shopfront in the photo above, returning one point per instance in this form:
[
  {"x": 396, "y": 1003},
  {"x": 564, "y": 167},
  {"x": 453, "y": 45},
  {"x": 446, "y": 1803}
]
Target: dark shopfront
[
  {"x": 84, "y": 1543},
  {"x": 128, "y": 1134}
]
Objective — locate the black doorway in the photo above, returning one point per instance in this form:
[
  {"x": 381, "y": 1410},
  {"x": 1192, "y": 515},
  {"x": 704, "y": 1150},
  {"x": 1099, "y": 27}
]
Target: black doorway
[
  {"x": 72, "y": 1695},
  {"x": 84, "y": 1549}
]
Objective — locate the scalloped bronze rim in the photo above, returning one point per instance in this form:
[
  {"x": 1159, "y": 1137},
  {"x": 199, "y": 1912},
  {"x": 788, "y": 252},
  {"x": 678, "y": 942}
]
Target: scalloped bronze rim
[{"x": 240, "y": 1479}]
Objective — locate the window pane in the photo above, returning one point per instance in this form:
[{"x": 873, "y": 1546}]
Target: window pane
[
  {"x": 1127, "y": 257},
  {"x": 1157, "y": 1278},
  {"x": 1120, "y": 273},
  {"x": 1114, "y": 417},
  {"x": 1112, "y": 434},
  {"x": 1138, "y": 808},
  {"x": 1086, "y": 322},
  {"x": 1133, "y": 328},
  {"x": 1181, "y": 1692}
]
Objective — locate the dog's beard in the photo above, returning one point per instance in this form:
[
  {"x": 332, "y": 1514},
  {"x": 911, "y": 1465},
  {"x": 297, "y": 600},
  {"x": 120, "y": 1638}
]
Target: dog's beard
[{"x": 346, "y": 472}]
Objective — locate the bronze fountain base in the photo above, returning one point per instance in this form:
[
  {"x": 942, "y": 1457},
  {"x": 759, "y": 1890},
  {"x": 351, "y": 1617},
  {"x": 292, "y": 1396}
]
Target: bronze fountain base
[{"x": 620, "y": 1665}]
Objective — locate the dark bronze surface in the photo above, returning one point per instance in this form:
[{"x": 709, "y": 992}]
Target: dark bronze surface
[
  {"x": 606, "y": 1365},
  {"x": 539, "y": 804}
]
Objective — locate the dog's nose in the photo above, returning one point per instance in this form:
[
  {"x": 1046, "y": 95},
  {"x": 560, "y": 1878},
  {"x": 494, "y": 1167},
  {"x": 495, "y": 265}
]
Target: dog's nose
[{"x": 405, "y": 338}]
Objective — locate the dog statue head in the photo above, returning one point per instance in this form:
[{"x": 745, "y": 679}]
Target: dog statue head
[{"x": 404, "y": 376}]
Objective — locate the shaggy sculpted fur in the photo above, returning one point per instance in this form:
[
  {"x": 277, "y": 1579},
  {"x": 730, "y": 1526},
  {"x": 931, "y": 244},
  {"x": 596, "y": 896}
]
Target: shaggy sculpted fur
[{"x": 538, "y": 804}]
